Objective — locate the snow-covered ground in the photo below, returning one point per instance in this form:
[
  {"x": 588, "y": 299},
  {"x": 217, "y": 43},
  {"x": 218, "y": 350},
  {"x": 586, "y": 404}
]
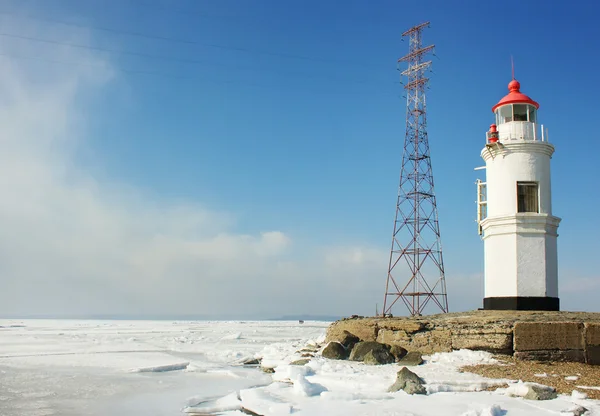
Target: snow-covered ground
[{"x": 156, "y": 368}]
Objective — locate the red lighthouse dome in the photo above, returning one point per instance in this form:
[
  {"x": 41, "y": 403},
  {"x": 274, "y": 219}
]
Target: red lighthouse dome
[{"x": 515, "y": 96}]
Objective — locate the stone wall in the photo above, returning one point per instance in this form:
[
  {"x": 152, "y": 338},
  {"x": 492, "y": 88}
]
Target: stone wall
[
  {"x": 592, "y": 343},
  {"x": 556, "y": 336}
]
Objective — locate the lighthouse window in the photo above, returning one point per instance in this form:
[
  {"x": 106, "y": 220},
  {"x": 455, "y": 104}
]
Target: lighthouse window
[
  {"x": 520, "y": 112},
  {"x": 532, "y": 114},
  {"x": 505, "y": 114},
  {"x": 527, "y": 197}
]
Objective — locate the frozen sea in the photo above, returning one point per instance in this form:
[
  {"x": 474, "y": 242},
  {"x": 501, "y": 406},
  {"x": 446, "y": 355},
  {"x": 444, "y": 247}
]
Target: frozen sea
[{"x": 164, "y": 368}]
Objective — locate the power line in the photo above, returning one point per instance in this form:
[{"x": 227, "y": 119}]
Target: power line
[
  {"x": 162, "y": 58},
  {"x": 189, "y": 12},
  {"x": 110, "y": 50},
  {"x": 186, "y": 41},
  {"x": 185, "y": 12},
  {"x": 177, "y": 76},
  {"x": 73, "y": 63}
]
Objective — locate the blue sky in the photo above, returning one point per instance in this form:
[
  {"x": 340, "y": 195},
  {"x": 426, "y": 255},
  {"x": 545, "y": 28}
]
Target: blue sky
[{"x": 289, "y": 117}]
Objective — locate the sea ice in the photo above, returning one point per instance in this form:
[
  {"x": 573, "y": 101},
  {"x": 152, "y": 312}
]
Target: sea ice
[
  {"x": 210, "y": 407},
  {"x": 86, "y": 371},
  {"x": 161, "y": 368}
]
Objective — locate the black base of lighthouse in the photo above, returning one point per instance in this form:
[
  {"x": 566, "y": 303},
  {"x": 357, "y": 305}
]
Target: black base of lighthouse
[{"x": 522, "y": 303}]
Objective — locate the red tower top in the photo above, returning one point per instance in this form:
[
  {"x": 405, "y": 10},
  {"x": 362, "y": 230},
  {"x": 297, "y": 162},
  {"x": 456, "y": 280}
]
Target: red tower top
[{"x": 515, "y": 96}]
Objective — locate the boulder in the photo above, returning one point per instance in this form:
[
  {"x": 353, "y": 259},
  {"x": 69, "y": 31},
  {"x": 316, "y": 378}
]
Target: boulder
[
  {"x": 409, "y": 382},
  {"x": 335, "y": 351},
  {"x": 300, "y": 362},
  {"x": 414, "y": 388},
  {"x": 539, "y": 392},
  {"x": 398, "y": 352},
  {"x": 251, "y": 361},
  {"x": 269, "y": 370},
  {"x": 411, "y": 358},
  {"x": 574, "y": 411},
  {"x": 249, "y": 412},
  {"x": 378, "y": 357},
  {"x": 348, "y": 340},
  {"x": 360, "y": 350}
]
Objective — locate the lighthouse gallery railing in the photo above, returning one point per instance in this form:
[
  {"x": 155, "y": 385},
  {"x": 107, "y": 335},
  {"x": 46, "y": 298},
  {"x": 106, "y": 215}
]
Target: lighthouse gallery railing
[{"x": 521, "y": 130}]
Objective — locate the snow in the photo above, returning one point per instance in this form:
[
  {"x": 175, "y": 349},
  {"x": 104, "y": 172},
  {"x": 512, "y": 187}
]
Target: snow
[
  {"x": 520, "y": 389},
  {"x": 237, "y": 335},
  {"x": 493, "y": 410},
  {"x": 135, "y": 368},
  {"x": 304, "y": 387},
  {"x": 227, "y": 403},
  {"x": 577, "y": 395}
]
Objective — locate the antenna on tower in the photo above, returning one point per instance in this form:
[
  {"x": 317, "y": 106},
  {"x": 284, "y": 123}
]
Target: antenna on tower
[
  {"x": 416, "y": 267},
  {"x": 512, "y": 65}
]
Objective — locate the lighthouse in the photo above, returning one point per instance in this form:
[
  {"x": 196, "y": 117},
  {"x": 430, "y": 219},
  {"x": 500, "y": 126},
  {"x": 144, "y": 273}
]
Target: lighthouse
[{"x": 514, "y": 202}]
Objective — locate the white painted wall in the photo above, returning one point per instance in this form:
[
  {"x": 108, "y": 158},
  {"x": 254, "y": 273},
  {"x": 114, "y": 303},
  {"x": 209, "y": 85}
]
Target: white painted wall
[
  {"x": 551, "y": 266},
  {"x": 500, "y": 266},
  {"x": 531, "y": 264},
  {"x": 516, "y": 161},
  {"x": 520, "y": 248}
]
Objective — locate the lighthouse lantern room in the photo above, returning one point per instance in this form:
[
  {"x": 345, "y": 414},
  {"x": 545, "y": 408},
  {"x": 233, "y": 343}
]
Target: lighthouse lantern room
[{"x": 515, "y": 209}]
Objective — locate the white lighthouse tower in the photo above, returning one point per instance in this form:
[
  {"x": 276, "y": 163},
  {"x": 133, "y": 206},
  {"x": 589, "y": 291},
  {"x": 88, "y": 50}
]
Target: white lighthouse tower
[{"x": 515, "y": 209}]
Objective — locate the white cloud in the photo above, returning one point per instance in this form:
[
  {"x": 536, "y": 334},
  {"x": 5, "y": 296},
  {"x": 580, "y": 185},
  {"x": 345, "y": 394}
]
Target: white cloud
[{"x": 71, "y": 243}]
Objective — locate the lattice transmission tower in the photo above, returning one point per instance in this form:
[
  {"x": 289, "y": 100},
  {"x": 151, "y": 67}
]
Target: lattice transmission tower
[{"x": 416, "y": 267}]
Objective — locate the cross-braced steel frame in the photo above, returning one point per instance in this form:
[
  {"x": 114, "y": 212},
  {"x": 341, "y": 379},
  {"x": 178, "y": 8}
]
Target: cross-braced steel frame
[{"x": 416, "y": 268}]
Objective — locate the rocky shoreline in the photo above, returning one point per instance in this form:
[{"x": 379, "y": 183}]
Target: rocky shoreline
[
  {"x": 323, "y": 367},
  {"x": 349, "y": 346},
  {"x": 526, "y": 335}
]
